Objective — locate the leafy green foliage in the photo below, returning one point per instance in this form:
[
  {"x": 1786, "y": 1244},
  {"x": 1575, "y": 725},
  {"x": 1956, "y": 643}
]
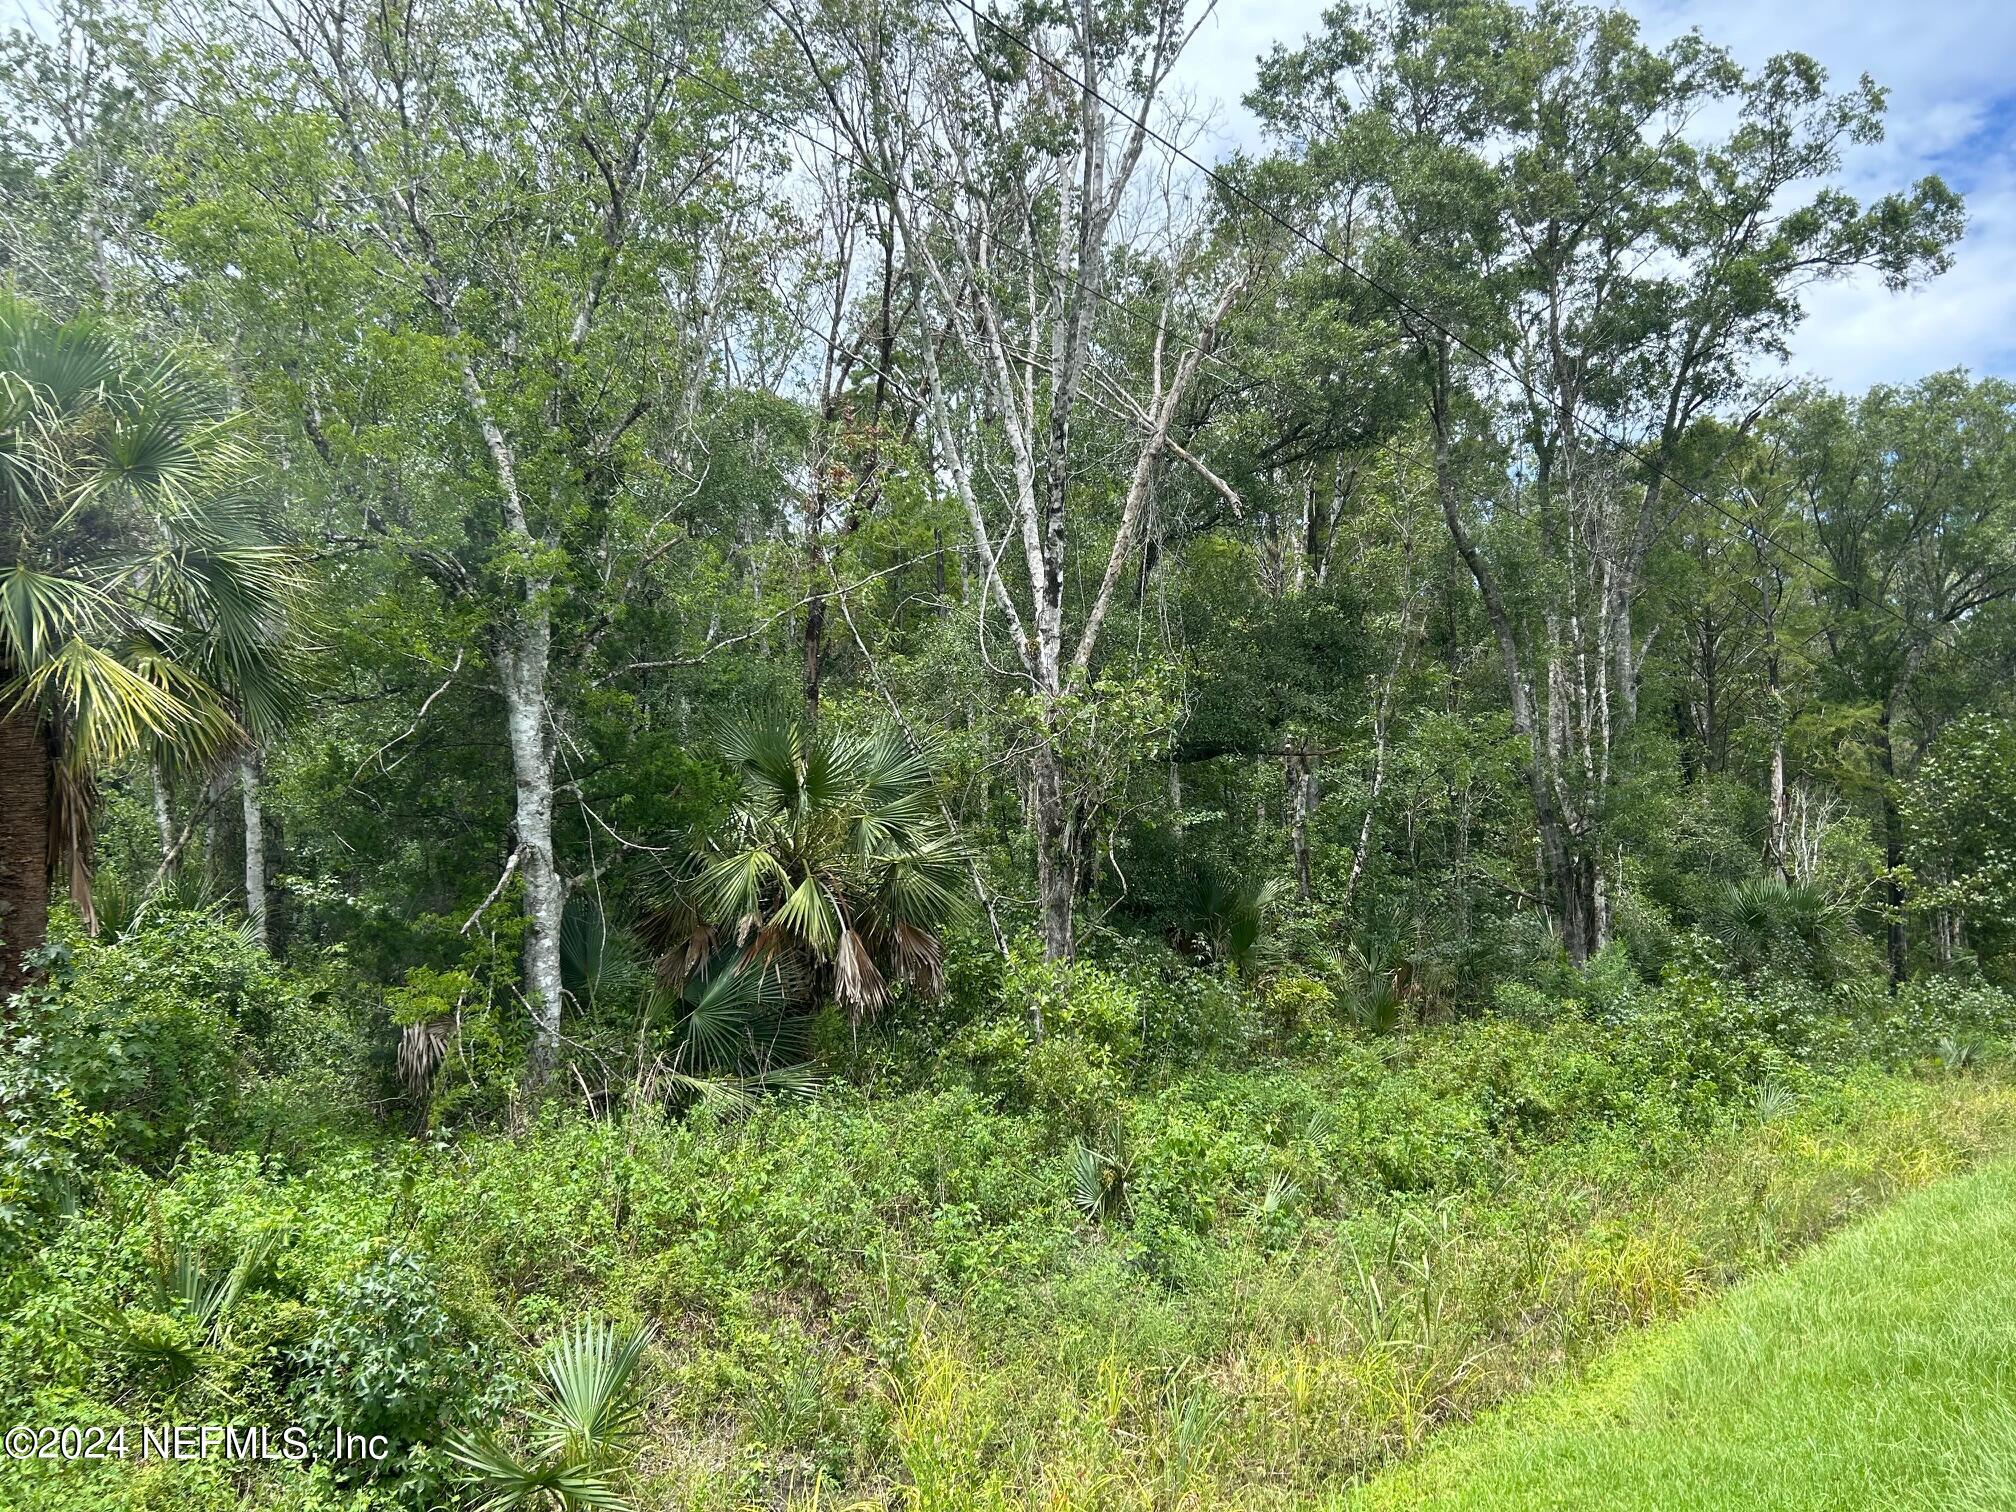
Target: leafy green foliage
[
  {"x": 832, "y": 863},
  {"x": 387, "y": 1358},
  {"x": 1792, "y": 927},
  {"x": 1962, "y": 847},
  {"x": 156, "y": 1035}
]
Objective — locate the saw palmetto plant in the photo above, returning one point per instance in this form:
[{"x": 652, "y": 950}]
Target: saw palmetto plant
[
  {"x": 584, "y": 1425},
  {"x": 143, "y": 593},
  {"x": 834, "y": 865}
]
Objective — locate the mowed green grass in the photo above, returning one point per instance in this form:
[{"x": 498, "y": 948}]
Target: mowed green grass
[{"x": 1877, "y": 1371}]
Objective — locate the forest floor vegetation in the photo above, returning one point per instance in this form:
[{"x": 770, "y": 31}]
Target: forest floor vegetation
[{"x": 1095, "y": 1273}]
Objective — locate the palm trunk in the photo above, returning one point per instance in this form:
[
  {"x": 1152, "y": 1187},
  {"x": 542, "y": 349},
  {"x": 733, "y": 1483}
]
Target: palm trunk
[
  {"x": 24, "y": 843},
  {"x": 249, "y": 768}
]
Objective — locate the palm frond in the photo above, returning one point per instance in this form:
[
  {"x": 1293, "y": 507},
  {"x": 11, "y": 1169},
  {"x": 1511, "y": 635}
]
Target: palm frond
[
  {"x": 592, "y": 1412},
  {"x": 40, "y": 612},
  {"x": 857, "y": 981},
  {"x": 834, "y": 861},
  {"x": 727, "y": 1008},
  {"x": 808, "y": 913},
  {"x": 107, "y": 706},
  {"x": 503, "y": 1482}
]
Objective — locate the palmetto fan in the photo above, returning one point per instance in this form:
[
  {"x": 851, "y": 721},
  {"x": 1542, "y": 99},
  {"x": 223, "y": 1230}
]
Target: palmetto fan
[
  {"x": 142, "y": 593},
  {"x": 584, "y": 1425},
  {"x": 834, "y": 866}
]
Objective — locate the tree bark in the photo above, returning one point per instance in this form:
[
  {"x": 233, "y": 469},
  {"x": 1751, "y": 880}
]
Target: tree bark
[
  {"x": 1775, "y": 853},
  {"x": 1571, "y": 883},
  {"x": 249, "y": 770},
  {"x": 24, "y": 844},
  {"x": 1898, "y": 944},
  {"x": 528, "y": 723},
  {"x": 524, "y": 651},
  {"x": 815, "y": 595},
  {"x": 1056, "y": 883},
  {"x": 164, "y": 822},
  {"x": 1301, "y": 804}
]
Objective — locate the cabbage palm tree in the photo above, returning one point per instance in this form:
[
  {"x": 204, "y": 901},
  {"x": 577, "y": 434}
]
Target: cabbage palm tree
[
  {"x": 834, "y": 865},
  {"x": 141, "y": 593}
]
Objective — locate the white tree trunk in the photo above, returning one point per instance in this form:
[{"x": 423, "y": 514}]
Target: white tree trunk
[
  {"x": 164, "y": 822},
  {"x": 255, "y": 846},
  {"x": 528, "y": 724}
]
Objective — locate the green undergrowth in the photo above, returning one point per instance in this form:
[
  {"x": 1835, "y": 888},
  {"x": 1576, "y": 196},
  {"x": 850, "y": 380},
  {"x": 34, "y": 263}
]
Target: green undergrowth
[{"x": 1291, "y": 1277}]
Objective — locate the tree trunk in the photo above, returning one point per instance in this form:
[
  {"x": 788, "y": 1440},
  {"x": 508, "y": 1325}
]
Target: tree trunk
[
  {"x": 1775, "y": 853},
  {"x": 1362, "y": 852},
  {"x": 164, "y": 822},
  {"x": 528, "y": 722},
  {"x": 815, "y": 595},
  {"x": 249, "y": 768},
  {"x": 217, "y": 869},
  {"x": 24, "y": 844},
  {"x": 1055, "y": 882},
  {"x": 1301, "y": 804},
  {"x": 1559, "y": 871}
]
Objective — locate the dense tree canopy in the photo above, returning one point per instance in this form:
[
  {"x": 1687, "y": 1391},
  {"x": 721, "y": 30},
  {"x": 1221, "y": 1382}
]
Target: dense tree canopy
[{"x": 1397, "y": 512}]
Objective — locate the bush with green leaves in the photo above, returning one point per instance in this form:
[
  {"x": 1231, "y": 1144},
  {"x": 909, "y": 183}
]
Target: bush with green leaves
[
  {"x": 1960, "y": 820},
  {"x": 186, "y": 1031},
  {"x": 49, "y": 1135},
  {"x": 388, "y": 1358},
  {"x": 1088, "y": 1049},
  {"x": 159, "y": 1032},
  {"x": 1928, "y": 1011}
]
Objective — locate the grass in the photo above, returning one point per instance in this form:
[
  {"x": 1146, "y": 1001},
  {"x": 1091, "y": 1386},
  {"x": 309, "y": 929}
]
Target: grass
[{"x": 1876, "y": 1371}]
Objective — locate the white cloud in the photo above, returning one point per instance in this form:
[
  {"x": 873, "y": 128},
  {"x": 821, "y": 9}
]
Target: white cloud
[{"x": 1950, "y": 69}]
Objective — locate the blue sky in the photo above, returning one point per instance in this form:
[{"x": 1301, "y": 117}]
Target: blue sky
[{"x": 1950, "y": 67}]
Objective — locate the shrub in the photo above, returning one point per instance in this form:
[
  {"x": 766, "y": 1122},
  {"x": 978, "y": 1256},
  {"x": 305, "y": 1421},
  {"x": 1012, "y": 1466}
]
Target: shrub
[
  {"x": 1929, "y": 1009},
  {"x": 388, "y": 1359},
  {"x": 48, "y": 1136},
  {"x": 1091, "y": 1041}
]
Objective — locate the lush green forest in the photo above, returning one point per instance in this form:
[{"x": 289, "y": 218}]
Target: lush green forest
[{"x": 753, "y": 755}]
